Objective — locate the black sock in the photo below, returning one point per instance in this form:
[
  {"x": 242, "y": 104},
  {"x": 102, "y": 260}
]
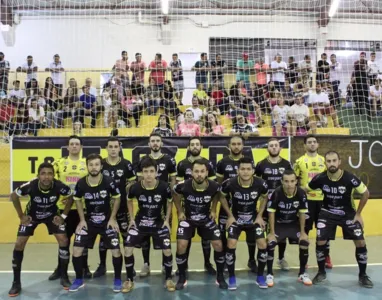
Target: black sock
[
  {"x": 219, "y": 261},
  {"x": 59, "y": 262},
  {"x": 304, "y": 255},
  {"x": 320, "y": 254},
  {"x": 188, "y": 252},
  {"x": 223, "y": 236},
  {"x": 251, "y": 250},
  {"x": 167, "y": 262},
  {"x": 261, "y": 261},
  {"x": 270, "y": 259},
  {"x": 282, "y": 247},
  {"x": 361, "y": 256},
  {"x": 327, "y": 248},
  {"x": 78, "y": 266},
  {"x": 146, "y": 251},
  {"x": 117, "y": 264},
  {"x": 181, "y": 261},
  {"x": 102, "y": 252},
  {"x": 129, "y": 263},
  {"x": 230, "y": 259},
  {"x": 64, "y": 255},
  {"x": 16, "y": 264},
  {"x": 206, "y": 246},
  {"x": 85, "y": 257}
]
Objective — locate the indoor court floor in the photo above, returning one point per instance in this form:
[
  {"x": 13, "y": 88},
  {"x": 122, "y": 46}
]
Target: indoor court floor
[{"x": 40, "y": 259}]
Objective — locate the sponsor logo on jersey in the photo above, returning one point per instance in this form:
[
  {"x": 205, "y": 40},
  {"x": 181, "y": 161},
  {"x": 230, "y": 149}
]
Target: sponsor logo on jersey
[
  {"x": 88, "y": 196},
  {"x": 119, "y": 173},
  {"x": 184, "y": 224},
  {"x": 354, "y": 181},
  {"x": 207, "y": 199},
  {"x": 37, "y": 199},
  {"x": 162, "y": 167},
  {"x": 259, "y": 231},
  {"x": 269, "y": 203},
  {"x": 142, "y": 198},
  {"x": 133, "y": 232},
  {"x": 149, "y": 199},
  {"x": 296, "y": 204},
  {"x": 157, "y": 198},
  {"x": 229, "y": 168},
  {"x": 74, "y": 167},
  {"x": 217, "y": 232},
  {"x": 114, "y": 242},
  {"x": 238, "y": 195},
  {"x": 66, "y": 163},
  {"x": 281, "y": 204},
  {"x": 326, "y": 188},
  {"x": 166, "y": 242},
  {"x": 342, "y": 189},
  {"x": 321, "y": 225},
  {"x": 106, "y": 173},
  {"x": 188, "y": 171},
  {"x": 357, "y": 232},
  {"x": 254, "y": 195},
  {"x": 191, "y": 198},
  {"x": 349, "y": 222},
  {"x": 281, "y": 170},
  {"x": 98, "y": 219},
  {"x": 267, "y": 171},
  {"x": 71, "y": 179},
  {"x": 53, "y": 198},
  {"x": 103, "y": 194}
]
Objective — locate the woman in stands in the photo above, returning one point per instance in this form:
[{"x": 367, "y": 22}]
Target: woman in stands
[
  {"x": 53, "y": 106},
  {"x": 211, "y": 108},
  {"x": 212, "y": 126},
  {"x": 67, "y": 109},
  {"x": 169, "y": 104},
  {"x": 130, "y": 107},
  {"x": 188, "y": 127},
  {"x": 164, "y": 127},
  {"x": 77, "y": 128},
  {"x": 279, "y": 117}
]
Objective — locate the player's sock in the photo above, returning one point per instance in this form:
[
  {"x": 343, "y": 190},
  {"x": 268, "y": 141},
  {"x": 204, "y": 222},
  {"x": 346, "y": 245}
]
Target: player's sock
[
  {"x": 16, "y": 263},
  {"x": 167, "y": 262},
  {"x": 251, "y": 250},
  {"x": 304, "y": 255},
  {"x": 230, "y": 258},
  {"x": 78, "y": 266},
  {"x": 181, "y": 261},
  {"x": 146, "y": 252},
  {"x": 219, "y": 261},
  {"x": 320, "y": 254},
  {"x": 327, "y": 248},
  {"x": 223, "y": 236},
  {"x": 361, "y": 256},
  {"x": 102, "y": 252},
  {"x": 206, "y": 246},
  {"x": 188, "y": 251},
  {"x": 261, "y": 261},
  {"x": 85, "y": 258},
  {"x": 282, "y": 247},
  {"x": 129, "y": 263},
  {"x": 117, "y": 264},
  {"x": 64, "y": 260},
  {"x": 270, "y": 259}
]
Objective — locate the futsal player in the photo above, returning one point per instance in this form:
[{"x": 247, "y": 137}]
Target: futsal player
[
  {"x": 306, "y": 167},
  {"x": 44, "y": 193},
  {"x": 184, "y": 172},
  {"x": 102, "y": 200},
  {"x": 244, "y": 191},
  {"x": 69, "y": 170},
  {"x": 286, "y": 210},
  {"x": 123, "y": 174},
  {"x": 151, "y": 195},
  {"x": 200, "y": 196},
  {"x": 166, "y": 172},
  {"x": 271, "y": 170},
  {"x": 338, "y": 209}
]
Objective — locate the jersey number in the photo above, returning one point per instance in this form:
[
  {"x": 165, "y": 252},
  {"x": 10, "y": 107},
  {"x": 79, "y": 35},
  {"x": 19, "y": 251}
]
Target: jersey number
[
  {"x": 180, "y": 230},
  {"x": 22, "y": 228},
  {"x": 65, "y": 167}
]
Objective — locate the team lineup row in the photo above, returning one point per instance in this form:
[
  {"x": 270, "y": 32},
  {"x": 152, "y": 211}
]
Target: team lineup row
[{"x": 104, "y": 189}]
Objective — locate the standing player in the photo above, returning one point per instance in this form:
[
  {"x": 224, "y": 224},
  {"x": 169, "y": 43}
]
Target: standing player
[
  {"x": 121, "y": 170},
  {"x": 166, "y": 172},
  {"x": 44, "y": 193},
  {"x": 306, "y": 167},
  {"x": 200, "y": 196},
  {"x": 286, "y": 210},
  {"x": 102, "y": 200},
  {"x": 184, "y": 172},
  {"x": 271, "y": 169},
  {"x": 69, "y": 170},
  {"x": 244, "y": 191},
  {"x": 339, "y": 210},
  {"x": 151, "y": 195}
]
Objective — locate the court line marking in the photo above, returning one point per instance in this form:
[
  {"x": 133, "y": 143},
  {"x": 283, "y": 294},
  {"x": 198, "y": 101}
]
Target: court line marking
[{"x": 192, "y": 270}]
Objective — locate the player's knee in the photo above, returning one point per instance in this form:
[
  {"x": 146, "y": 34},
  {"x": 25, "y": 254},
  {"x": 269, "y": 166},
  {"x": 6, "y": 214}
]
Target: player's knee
[
  {"x": 321, "y": 243},
  {"x": 182, "y": 246},
  {"x": 62, "y": 240},
  {"x": 116, "y": 252},
  {"x": 304, "y": 244},
  {"x": 167, "y": 252},
  {"x": 217, "y": 245},
  {"x": 360, "y": 243},
  {"x": 261, "y": 243},
  {"x": 231, "y": 243},
  {"x": 271, "y": 245},
  {"x": 128, "y": 251},
  {"x": 77, "y": 251},
  {"x": 20, "y": 244}
]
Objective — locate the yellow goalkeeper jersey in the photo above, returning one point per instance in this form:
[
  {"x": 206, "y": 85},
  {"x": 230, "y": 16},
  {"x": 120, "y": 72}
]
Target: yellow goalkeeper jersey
[{"x": 306, "y": 167}]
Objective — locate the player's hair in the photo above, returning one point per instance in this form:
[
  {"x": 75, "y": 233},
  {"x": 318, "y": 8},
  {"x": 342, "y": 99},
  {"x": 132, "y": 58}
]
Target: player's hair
[
  {"x": 332, "y": 152},
  {"x": 93, "y": 156},
  {"x": 200, "y": 161},
  {"x": 112, "y": 139},
  {"x": 236, "y": 137},
  {"x": 148, "y": 162},
  {"x": 194, "y": 138},
  {"x": 75, "y": 137},
  {"x": 289, "y": 172},
  {"x": 155, "y": 134},
  {"x": 45, "y": 165},
  {"x": 309, "y": 136},
  {"x": 245, "y": 160},
  {"x": 273, "y": 139}
]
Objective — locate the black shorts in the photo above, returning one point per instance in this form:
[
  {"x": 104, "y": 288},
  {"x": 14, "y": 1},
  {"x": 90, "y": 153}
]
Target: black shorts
[
  {"x": 287, "y": 231},
  {"x": 52, "y": 228},
  {"x": 161, "y": 237},
  {"x": 253, "y": 232},
  {"x": 327, "y": 226},
  {"x": 86, "y": 238},
  {"x": 314, "y": 208},
  {"x": 71, "y": 222},
  {"x": 208, "y": 230},
  {"x": 222, "y": 221},
  {"x": 123, "y": 223}
]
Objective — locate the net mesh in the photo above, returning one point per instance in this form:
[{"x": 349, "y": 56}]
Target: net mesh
[{"x": 263, "y": 62}]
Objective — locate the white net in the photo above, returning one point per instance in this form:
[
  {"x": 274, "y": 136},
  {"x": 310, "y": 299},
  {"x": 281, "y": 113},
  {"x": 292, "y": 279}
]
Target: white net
[{"x": 263, "y": 62}]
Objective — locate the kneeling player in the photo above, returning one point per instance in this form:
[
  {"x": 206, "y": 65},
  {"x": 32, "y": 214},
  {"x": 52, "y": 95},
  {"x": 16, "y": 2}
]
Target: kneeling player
[
  {"x": 244, "y": 191},
  {"x": 44, "y": 193},
  {"x": 287, "y": 208},
  {"x": 151, "y": 195},
  {"x": 98, "y": 192}
]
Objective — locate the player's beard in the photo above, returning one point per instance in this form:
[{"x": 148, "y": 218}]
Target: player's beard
[
  {"x": 237, "y": 153},
  {"x": 199, "y": 180},
  {"x": 94, "y": 173},
  {"x": 333, "y": 169},
  {"x": 312, "y": 151},
  {"x": 274, "y": 155},
  {"x": 156, "y": 149},
  {"x": 195, "y": 152}
]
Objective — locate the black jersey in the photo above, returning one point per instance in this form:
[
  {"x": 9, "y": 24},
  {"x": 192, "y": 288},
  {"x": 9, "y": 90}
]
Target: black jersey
[
  {"x": 150, "y": 203},
  {"x": 272, "y": 173},
  {"x": 97, "y": 198},
  {"x": 166, "y": 166},
  {"x": 197, "y": 203},
  {"x": 227, "y": 167},
  {"x": 338, "y": 195},
  {"x": 244, "y": 198},
  {"x": 287, "y": 208},
  {"x": 122, "y": 172},
  {"x": 184, "y": 170},
  {"x": 42, "y": 204}
]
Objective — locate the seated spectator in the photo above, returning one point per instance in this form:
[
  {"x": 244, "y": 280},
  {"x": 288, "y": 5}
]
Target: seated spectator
[
  {"x": 19, "y": 124},
  {"x": 17, "y": 95},
  {"x": 197, "y": 112},
  {"x": 34, "y": 89},
  {"x": 241, "y": 127},
  {"x": 169, "y": 103},
  {"x": 130, "y": 107},
  {"x": 279, "y": 117},
  {"x": 36, "y": 117},
  {"x": 73, "y": 84},
  {"x": 40, "y": 100},
  {"x": 301, "y": 86},
  {"x": 152, "y": 98},
  {"x": 188, "y": 127},
  {"x": 53, "y": 105},
  {"x": 212, "y": 126},
  {"x": 211, "y": 108},
  {"x": 222, "y": 102},
  {"x": 137, "y": 90},
  {"x": 257, "y": 95},
  {"x": 86, "y": 106},
  {"x": 110, "y": 107},
  {"x": 117, "y": 84},
  {"x": 92, "y": 90},
  {"x": 48, "y": 87},
  {"x": 67, "y": 108},
  {"x": 236, "y": 101},
  {"x": 6, "y": 114},
  {"x": 164, "y": 127},
  {"x": 375, "y": 97},
  {"x": 288, "y": 93},
  {"x": 299, "y": 117},
  {"x": 78, "y": 128},
  {"x": 200, "y": 94}
]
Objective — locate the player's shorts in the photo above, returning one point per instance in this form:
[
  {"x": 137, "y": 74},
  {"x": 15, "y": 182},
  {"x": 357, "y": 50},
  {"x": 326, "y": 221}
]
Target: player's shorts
[
  {"x": 222, "y": 221},
  {"x": 253, "y": 232},
  {"x": 314, "y": 208},
  {"x": 179, "y": 86},
  {"x": 52, "y": 228},
  {"x": 87, "y": 237},
  {"x": 161, "y": 237},
  {"x": 71, "y": 222},
  {"x": 287, "y": 231},
  {"x": 327, "y": 226},
  {"x": 123, "y": 223},
  {"x": 208, "y": 230}
]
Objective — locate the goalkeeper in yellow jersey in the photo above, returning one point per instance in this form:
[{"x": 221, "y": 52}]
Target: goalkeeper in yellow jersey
[
  {"x": 69, "y": 170},
  {"x": 306, "y": 167}
]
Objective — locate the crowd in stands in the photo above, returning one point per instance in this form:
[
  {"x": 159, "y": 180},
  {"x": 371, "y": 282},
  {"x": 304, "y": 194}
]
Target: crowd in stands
[{"x": 283, "y": 90}]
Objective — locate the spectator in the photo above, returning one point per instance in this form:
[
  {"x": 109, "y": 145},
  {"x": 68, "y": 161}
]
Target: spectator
[
  {"x": 200, "y": 94},
  {"x": 288, "y": 93},
  {"x": 236, "y": 100},
  {"x": 131, "y": 108},
  {"x": 291, "y": 72},
  {"x": 138, "y": 68},
  {"x": 111, "y": 106},
  {"x": 213, "y": 128},
  {"x": 244, "y": 67},
  {"x": 152, "y": 97},
  {"x": 56, "y": 68},
  {"x": 40, "y": 100},
  {"x": 19, "y": 124},
  {"x": 92, "y": 90},
  {"x": 278, "y": 68},
  {"x": 301, "y": 86},
  {"x": 164, "y": 127},
  {"x": 117, "y": 84},
  {"x": 242, "y": 128},
  {"x": 4, "y": 73},
  {"x": 211, "y": 108},
  {"x": 373, "y": 67},
  {"x": 53, "y": 105},
  {"x": 299, "y": 117},
  {"x": 202, "y": 67},
  {"x": 6, "y": 114},
  {"x": 375, "y": 97},
  {"x": 361, "y": 83},
  {"x": 87, "y": 106},
  {"x": 169, "y": 103},
  {"x": 188, "y": 127},
  {"x": 218, "y": 68},
  {"x": 17, "y": 95},
  {"x": 48, "y": 87},
  {"x": 335, "y": 69},
  {"x": 177, "y": 77},
  {"x": 34, "y": 89},
  {"x": 137, "y": 90},
  {"x": 279, "y": 117},
  {"x": 121, "y": 68},
  {"x": 78, "y": 128},
  {"x": 73, "y": 84},
  {"x": 261, "y": 70},
  {"x": 305, "y": 68},
  {"x": 196, "y": 111},
  {"x": 158, "y": 69},
  {"x": 323, "y": 69},
  {"x": 220, "y": 98},
  {"x": 31, "y": 69},
  {"x": 36, "y": 117},
  {"x": 258, "y": 97},
  {"x": 68, "y": 107}
]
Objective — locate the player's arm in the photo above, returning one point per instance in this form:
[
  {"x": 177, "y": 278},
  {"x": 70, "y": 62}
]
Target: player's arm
[
  {"x": 211, "y": 172},
  {"x": 263, "y": 204},
  {"x": 297, "y": 171},
  {"x": 24, "y": 190},
  {"x": 312, "y": 185},
  {"x": 302, "y": 211},
  {"x": 172, "y": 173},
  {"x": 272, "y": 206},
  {"x": 130, "y": 208},
  {"x": 78, "y": 195},
  {"x": 360, "y": 188},
  {"x": 219, "y": 172},
  {"x": 179, "y": 174},
  {"x": 116, "y": 196},
  {"x": 214, "y": 205},
  {"x": 169, "y": 207},
  {"x": 177, "y": 200}
]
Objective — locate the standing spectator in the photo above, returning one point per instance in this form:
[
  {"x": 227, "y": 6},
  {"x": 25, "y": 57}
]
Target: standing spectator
[
  {"x": 244, "y": 67},
  {"x": 299, "y": 117},
  {"x": 279, "y": 118},
  {"x": 92, "y": 90},
  {"x": 177, "y": 77},
  {"x": 138, "y": 68},
  {"x": 31, "y": 69},
  {"x": 87, "y": 106},
  {"x": 334, "y": 77},
  {"x": 164, "y": 127},
  {"x": 17, "y": 95},
  {"x": 4, "y": 72},
  {"x": 278, "y": 68},
  {"x": 56, "y": 68},
  {"x": 291, "y": 73},
  {"x": 258, "y": 96},
  {"x": 169, "y": 103},
  {"x": 374, "y": 68},
  {"x": 158, "y": 69},
  {"x": 375, "y": 97},
  {"x": 131, "y": 108},
  {"x": 152, "y": 98},
  {"x": 213, "y": 128},
  {"x": 36, "y": 117},
  {"x": 188, "y": 127},
  {"x": 6, "y": 114},
  {"x": 200, "y": 94},
  {"x": 202, "y": 67},
  {"x": 242, "y": 128},
  {"x": 305, "y": 68},
  {"x": 218, "y": 68},
  {"x": 361, "y": 83},
  {"x": 323, "y": 69},
  {"x": 121, "y": 68},
  {"x": 261, "y": 70},
  {"x": 196, "y": 111}
]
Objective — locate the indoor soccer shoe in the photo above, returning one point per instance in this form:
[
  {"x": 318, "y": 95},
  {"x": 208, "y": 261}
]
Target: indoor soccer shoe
[
  {"x": 170, "y": 285},
  {"x": 76, "y": 285},
  {"x": 15, "y": 289},
  {"x": 261, "y": 282},
  {"x": 55, "y": 275},
  {"x": 101, "y": 271},
  {"x": 283, "y": 264},
  {"x": 117, "y": 285},
  {"x": 182, "y": 282},
  {"x": 270, "y": 280},
  {"x": 210, "y": 269},
  {"x": 232, "y": 283},
  {"x": 320, "y": 277},
  {"x": 65, "y": 282},
  {"x": 304, "y": 278},
  {"x": 328, "y": 263},
  {"x": 365, "y": 281},
  {"x": 128, "y": 286},
  {"x": 252, "y": 266},
  {"x": 220, "y": 281},
  {"x": 145, "y": 271},
  {"x": 87, "y": 273}
]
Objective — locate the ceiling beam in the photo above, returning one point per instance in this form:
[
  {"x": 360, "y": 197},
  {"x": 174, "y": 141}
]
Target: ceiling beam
[
  {"x": 6, "y": 17},
  {"x": 323, "y": 20}
]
